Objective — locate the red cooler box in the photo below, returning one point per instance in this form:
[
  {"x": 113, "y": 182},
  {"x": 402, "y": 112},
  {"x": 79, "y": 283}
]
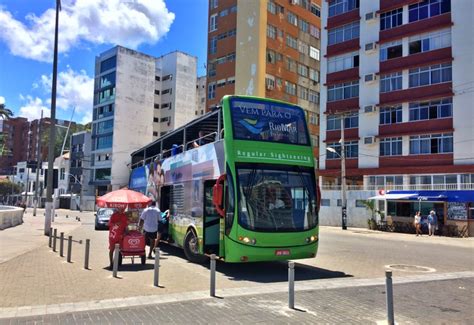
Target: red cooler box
[{"x": 133, "y": 243}]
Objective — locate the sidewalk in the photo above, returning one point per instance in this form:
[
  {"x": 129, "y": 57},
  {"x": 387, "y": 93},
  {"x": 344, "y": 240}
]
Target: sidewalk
[{"x": 26, "y": 237}]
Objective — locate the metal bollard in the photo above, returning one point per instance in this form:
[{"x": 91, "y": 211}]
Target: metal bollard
[
  {"x": 157, "y": 268},
  {"x": 61, "y": 244},
  {"x": 213, "y": 275},
  {"x": 116, "y": 258},
  {"x": 86, "y": 254},
  {"x": 55, "y": 236},
  {"x": 291, "y": 285},
  {"x": 389, "y": 292},
  {"x": 69, "y": 248},
  {"x": 50, "y": 237}
]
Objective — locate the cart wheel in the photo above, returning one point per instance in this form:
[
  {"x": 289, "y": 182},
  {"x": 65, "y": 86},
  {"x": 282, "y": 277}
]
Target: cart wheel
[
  {"x": 120, "y": 259},
  {"x": 143, "y": 258}
]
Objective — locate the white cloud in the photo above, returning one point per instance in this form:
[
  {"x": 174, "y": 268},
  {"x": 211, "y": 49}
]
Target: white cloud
[
  {"x": 128, "y": 23},
  {"x": 32, "y": 108},
  {"x": 2, "y": 100},
  {"x": 74, "y": 89}
]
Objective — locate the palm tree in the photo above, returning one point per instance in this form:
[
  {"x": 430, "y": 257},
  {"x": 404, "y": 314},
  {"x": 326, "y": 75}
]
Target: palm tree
[{"x": 5, "y": 113}]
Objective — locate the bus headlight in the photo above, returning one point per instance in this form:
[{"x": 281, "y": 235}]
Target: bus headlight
[
  {"x": 247, "y": 240},
  {"x": 311, "y": 239}
]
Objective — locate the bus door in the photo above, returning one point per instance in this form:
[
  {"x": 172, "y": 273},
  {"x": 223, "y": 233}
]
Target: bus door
[{"x": 211, "y": 221}]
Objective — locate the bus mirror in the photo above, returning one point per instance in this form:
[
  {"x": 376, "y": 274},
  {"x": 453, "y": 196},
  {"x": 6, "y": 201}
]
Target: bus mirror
[{"x": 218, "y": 195}]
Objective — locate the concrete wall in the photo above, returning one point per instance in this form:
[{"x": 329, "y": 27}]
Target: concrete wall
[
  {"x": 356, "y": 217},
  {"x": 10, "y": 217}
]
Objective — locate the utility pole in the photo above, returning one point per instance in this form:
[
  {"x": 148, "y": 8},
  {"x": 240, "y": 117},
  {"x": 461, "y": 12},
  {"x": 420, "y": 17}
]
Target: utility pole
[
  {"x": 38, "y": 162},
  {"x": 27, "y": 187},
  {"x": 52, "y": 130},
  {"x": 343, "y": 177}
]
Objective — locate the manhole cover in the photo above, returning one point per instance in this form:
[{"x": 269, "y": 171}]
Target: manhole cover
[{"x": 409, "y": 268}]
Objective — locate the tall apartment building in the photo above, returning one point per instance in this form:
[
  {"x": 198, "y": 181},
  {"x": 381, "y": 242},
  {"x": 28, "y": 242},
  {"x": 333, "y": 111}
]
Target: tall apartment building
[
  {"x": 14, "y": 131},
  {"x": 201, "y": 95},
  {"x": 79, "y": 164},
  {"x": 400, "y": 74},
  {"x": 137, "y": 98},
  {"x": 266, "y": 48}
]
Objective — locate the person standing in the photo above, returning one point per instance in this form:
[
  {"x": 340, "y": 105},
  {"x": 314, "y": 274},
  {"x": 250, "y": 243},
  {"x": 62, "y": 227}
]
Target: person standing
[
  {"x": 117, "y": 227},
  {"x": 418, "y": 224},
  {"x": 149, "y": 223},
  {"x": 432, "y": 223}
]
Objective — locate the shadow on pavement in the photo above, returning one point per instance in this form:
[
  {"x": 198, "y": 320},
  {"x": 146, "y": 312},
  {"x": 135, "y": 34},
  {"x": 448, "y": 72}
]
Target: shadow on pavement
[{"x": 263, "y": 272}]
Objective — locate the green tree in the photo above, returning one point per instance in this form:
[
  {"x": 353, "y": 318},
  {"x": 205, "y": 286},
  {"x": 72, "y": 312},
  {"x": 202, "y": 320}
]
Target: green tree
[
  {"x": 5, "y": 113},
  {"x": 7, "y": 187},
  {"x": 60, "y": 135}
]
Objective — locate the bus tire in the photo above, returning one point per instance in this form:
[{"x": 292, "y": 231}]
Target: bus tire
[{"x": 191, "y": 248}]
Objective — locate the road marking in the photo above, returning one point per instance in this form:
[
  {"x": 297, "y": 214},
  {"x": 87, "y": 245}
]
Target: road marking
[{"x": 324, "y": 284}]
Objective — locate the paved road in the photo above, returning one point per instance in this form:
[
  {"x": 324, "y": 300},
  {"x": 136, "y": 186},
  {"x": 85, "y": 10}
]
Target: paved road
[
  {"x": 40, "y": 278},
  {"x": 413, "y": 304}
]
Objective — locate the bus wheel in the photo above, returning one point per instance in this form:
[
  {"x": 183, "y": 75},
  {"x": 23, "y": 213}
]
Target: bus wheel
[{"x": 191, "y": 248}]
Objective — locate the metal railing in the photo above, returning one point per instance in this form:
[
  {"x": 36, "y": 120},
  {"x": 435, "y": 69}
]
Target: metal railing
[{"x": 407, "y": 187}]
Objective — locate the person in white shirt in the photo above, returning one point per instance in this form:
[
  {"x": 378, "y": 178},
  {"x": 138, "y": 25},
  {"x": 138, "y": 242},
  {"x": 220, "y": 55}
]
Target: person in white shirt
[{"x": 149, "y": 223}]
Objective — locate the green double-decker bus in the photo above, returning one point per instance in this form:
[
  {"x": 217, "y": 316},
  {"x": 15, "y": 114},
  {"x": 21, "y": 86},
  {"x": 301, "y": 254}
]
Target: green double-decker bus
[{"x": 239, "y": 182}]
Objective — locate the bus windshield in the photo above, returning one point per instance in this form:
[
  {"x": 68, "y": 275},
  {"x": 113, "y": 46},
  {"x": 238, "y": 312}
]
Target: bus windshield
[
  {"x": 279, "y": 199},
  {"x": 268, "y": 121}
]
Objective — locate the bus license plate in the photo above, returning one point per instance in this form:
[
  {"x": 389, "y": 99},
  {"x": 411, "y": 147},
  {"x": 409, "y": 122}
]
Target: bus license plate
[{"x": 282, "y": 252}]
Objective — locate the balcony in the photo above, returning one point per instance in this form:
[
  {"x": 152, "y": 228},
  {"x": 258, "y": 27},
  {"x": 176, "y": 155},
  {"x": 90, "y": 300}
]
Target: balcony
[
  {"x": 416, "y": 127},
  {"x": 428, "y": 160},
  {"x": 417, "y": 27},
  {"x": 349, "y": 135},
  {"x": 418, "y": 93},
  {"x": 341, "y": 76},
  {"x": 343, "y": 19},
  {"x": 339, "y": 48},
  {"x": 386, "y": 5},
  {"x": 343, "y": 105},
  {"x": 416, "y": 60}
]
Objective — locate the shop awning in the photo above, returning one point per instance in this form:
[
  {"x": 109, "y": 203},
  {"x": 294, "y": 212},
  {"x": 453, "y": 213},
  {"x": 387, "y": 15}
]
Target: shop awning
[{"x": 393, "y": 196}]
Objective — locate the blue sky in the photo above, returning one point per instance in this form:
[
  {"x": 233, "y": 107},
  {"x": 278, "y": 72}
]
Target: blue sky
[{"x": 87, "y": 28}]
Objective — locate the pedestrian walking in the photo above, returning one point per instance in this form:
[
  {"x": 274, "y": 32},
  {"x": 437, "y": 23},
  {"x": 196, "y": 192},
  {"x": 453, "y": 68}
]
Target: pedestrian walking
[
  {"x": 149, "y": 220},
  {"x": 432, "y": 223},
  {"x": 418, "y": 223}
]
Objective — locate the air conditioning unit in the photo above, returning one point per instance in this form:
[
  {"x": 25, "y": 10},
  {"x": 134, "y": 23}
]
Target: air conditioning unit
[
  {"x": 370, "y": 77},
  {"x": 369, "y": 140},
  {"x": 294, "y": 2},
  {"x": 371, "y": 16},
  {"x": 369, "y": 108},
  {"x": 369, "y": 47}
]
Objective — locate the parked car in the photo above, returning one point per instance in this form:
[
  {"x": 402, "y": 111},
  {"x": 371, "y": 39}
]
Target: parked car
[{"x": 102, "y": 217}]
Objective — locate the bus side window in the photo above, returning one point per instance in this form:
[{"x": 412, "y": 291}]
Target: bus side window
[{"x": 229, "y": 202}]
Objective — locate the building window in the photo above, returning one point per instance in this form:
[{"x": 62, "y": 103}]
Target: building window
[
  {"x": 271, "y": 56},
  {"x": 343, "y": 33},
  {"x": 291, "y": 42},
  {"x": 271, "y": 31},
  {"x": 167, "y": 77},
  {"x": 108, "y": 64},
  {"x": 220, "y": 83},
  {"x": 337, "y": 7},
  {"x": 290, "y": 88},
  {"x": 313, "y": 97},
  {"x": 167, "y": 91},
  {"x": 213, "y": 45},
  {"x": 224, "y": 13},
  {"x": 292, "y": 19},
  {"x": 434, "y": 74},
  {"x": 157, "y": 106},
  {"x": 105, "y": 126},
  {"x": 157, "y": 92},
  {"x": 351, "y": 121},
  {"x": 314, "y": 31},
  {"x": 314, "y": 53},
  {"x": 302, "y": 70},
  {"x": 102, "y": 174},
  {"x": 303, "y": 93},
  {"x": 211, "y": 91},
  {"x": 391, "y": 50},
  {"x": 104, "y": 142},
  {"x": 343, "y": 62},
  {"x": 270, "y": 82},
  {"x": 290, "y": 64},
  {"x": 325, "y": 202},
  {"x": 213, "y": 23},
  {"x": 390, "y": 82},
  {"x": 107, "y": 80},
  {"x": 391, "y": 146},
  {"x": 432, "y": 143},
  {"x": 157, "y": 78},
  {"x": 385, "y": 181},
  {"x": 427, "y": 9},
  {"x": 390, "y": 115},
  {"x": 391, "y": 19},
  {"x": 271, "y": 7},
  {"x": 313, "y": 75},
  {"x": 211, "y": 69},
  {"x": 351, "y": 149},
  {"x": 155, "y": 134},
  {"x": 343, "y": 91},
  {"x": 430, "y": 41},
  {"x": 431, "y": 110},
  {"x": 213, "y": 4},
  {"x": 303, "y": 47},
  {"x": 315, "y": 10},
  {"x": 62, "y": 175},
  {"x": 314, "y": 118},
  {"x": 303, "y": 25},
  {"x": 155, "y": 119}
]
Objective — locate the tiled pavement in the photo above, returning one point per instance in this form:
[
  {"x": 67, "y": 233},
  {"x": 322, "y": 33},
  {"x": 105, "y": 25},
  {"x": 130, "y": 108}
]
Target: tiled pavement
[{"x": 414, "y": 304}]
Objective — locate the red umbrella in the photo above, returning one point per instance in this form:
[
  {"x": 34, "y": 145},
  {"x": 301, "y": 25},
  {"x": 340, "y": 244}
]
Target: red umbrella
[{"x": 123, "y": 199}]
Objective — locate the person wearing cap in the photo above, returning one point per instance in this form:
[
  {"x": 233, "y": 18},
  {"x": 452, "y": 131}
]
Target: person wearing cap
[{"x": 149, "y": 223}]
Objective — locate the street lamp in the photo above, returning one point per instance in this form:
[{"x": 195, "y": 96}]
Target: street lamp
[
  {"x": 343, "y": 183},
  {"x": 27, "y": 187}
]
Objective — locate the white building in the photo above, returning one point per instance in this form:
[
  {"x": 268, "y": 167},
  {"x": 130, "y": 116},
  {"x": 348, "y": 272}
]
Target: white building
[
  {"x": 400, "y": 74},
  {"x": 201, "y": 96},
  {"x": 137, "y": 98}
]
